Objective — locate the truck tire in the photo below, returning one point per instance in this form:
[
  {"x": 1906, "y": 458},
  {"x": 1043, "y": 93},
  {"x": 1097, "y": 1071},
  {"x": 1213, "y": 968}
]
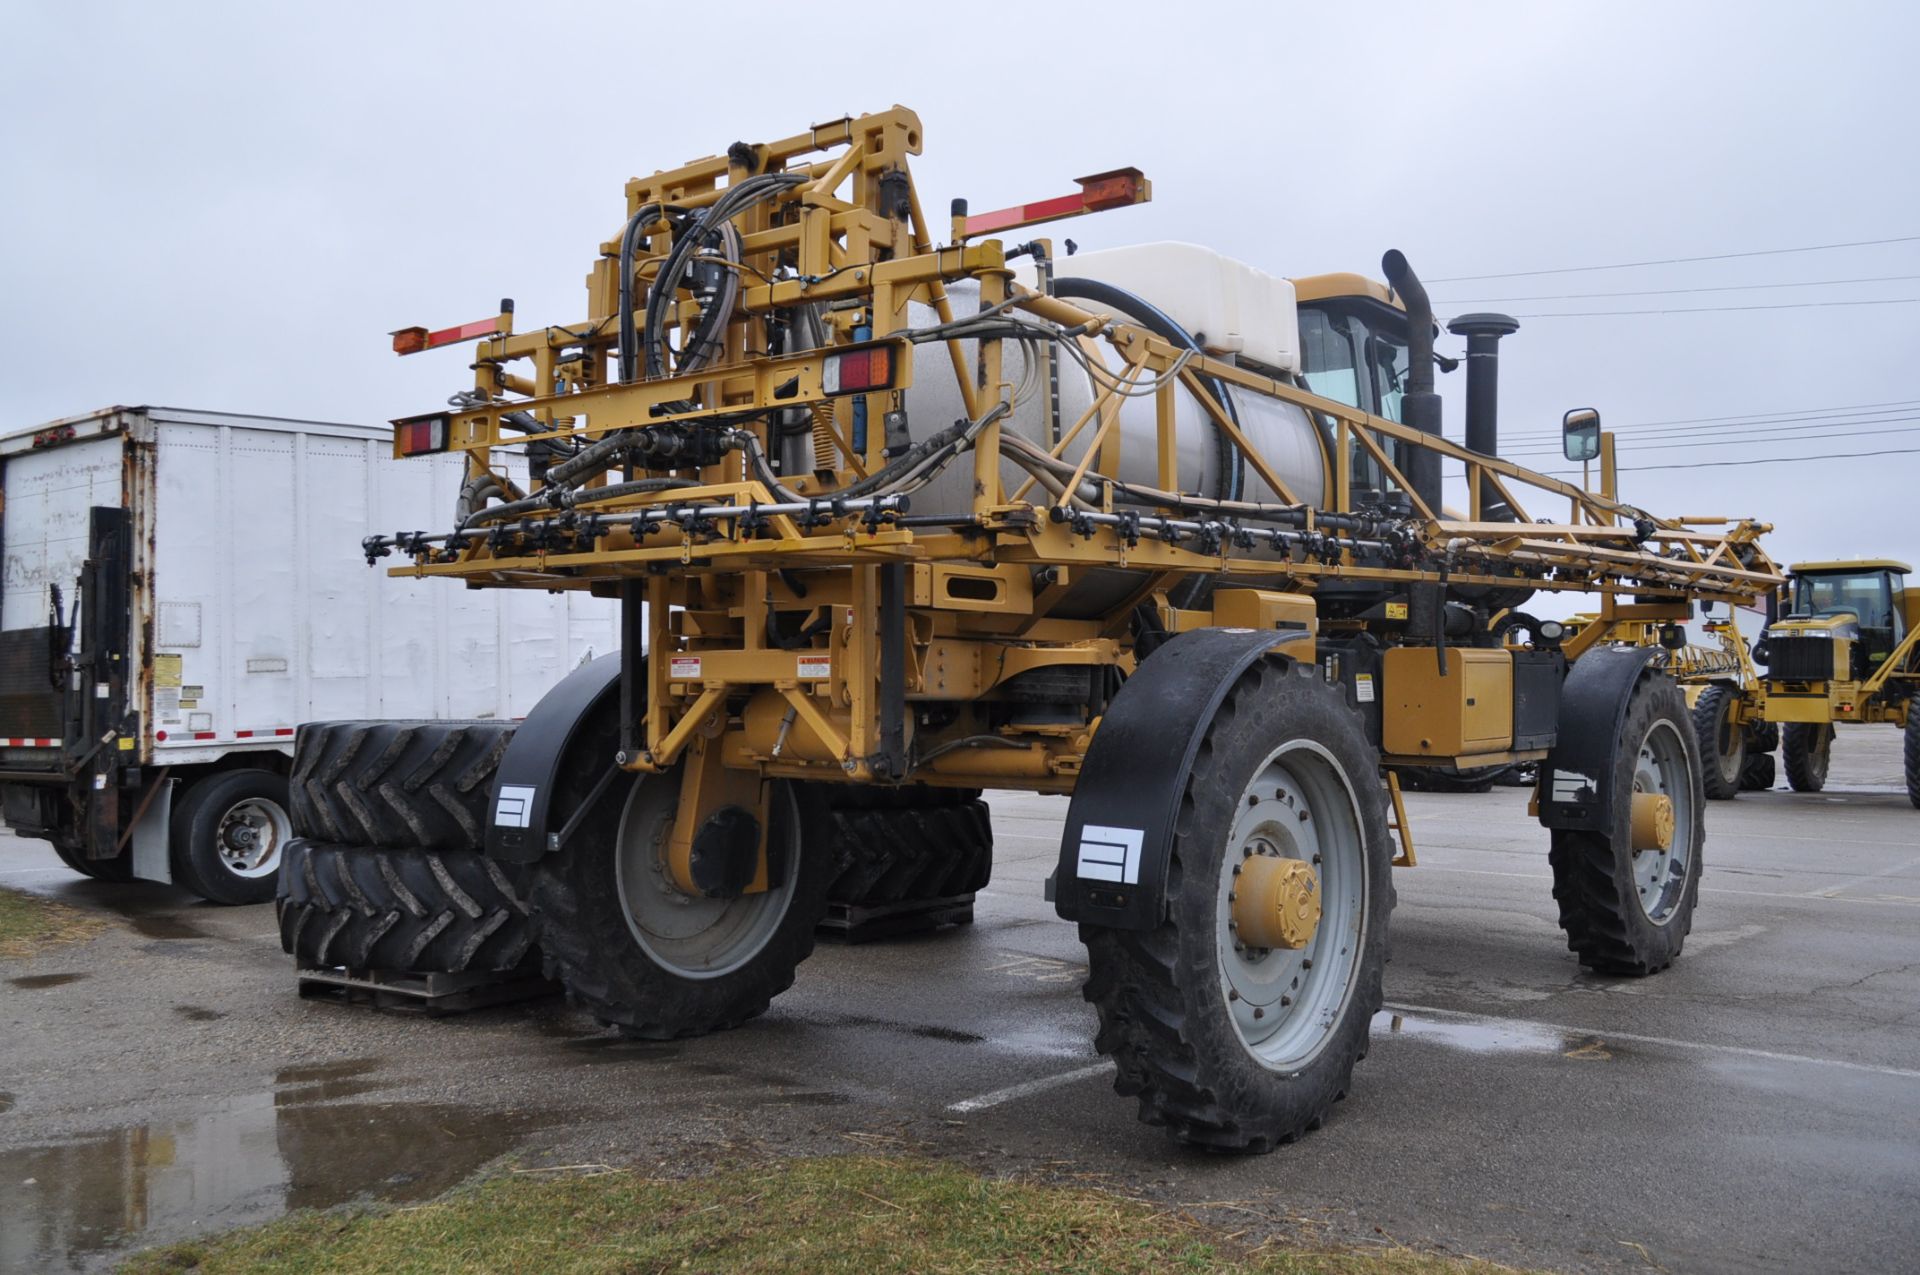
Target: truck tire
[
  {"x": 1759, "y": 774},
  {"x": 1230, "y": 1047},
  {"x": 1628, "y": 912},
  {"x": 406, "y": 911},
  {"x": 1807, "y": 748},
  {"x": 229, "y": 834},
  {"x": 418, "y": 785},
  {"x": 1913, "y": 752},
  {"x": 1722, "y": 741},
  {"x": 655, "y": 963},
  {"x": 116, "y": 870},
  {"x": 906, "y": 852}
]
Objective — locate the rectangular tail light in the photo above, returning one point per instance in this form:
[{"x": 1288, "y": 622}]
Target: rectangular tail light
[
  {"x": 858, "y": 371},
  {"x": 420, "y": 435}
]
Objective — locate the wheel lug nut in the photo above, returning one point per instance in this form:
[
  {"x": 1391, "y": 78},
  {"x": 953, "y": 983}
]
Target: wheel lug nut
[
  {"x": 1286, "y": 1000},
  {"x": 1258, "y": 1012},
  {"x": 1233, "y": 994}
]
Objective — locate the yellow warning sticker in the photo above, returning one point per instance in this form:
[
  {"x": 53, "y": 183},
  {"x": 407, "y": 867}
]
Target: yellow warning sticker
[
  {"x": 1396, "y": 610},
  {"x": 166, "y": 670},
  {"x": 126, "y": 743}
]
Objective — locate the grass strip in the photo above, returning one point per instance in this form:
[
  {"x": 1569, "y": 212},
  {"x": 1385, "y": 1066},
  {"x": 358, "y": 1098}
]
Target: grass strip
[{"x": 29, "y": 924}]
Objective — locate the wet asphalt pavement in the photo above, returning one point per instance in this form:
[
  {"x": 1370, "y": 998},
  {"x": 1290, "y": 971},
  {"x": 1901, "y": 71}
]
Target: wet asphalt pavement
[{"x": 1757, "y": 1107}]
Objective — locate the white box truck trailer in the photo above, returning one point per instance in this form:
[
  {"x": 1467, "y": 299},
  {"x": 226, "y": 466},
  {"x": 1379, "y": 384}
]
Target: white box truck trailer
[{"x": 182, "y": 590}]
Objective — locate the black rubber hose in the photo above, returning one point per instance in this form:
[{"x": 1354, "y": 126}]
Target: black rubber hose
[{"x": 1138, "y": 308}]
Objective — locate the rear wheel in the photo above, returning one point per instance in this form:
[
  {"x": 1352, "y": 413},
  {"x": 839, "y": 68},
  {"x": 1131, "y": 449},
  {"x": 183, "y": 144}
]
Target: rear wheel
[
  {"x": 1236, "y": 1038},
  {"x": 1807, "y": 748},
  {"x": 1626, "y": 901},
  {"x": 655, "y": 962},
  {"x": 117, "y": 869},
  {"x": 1913, "y": 752},
  {"x": 228, "y": 835},
  {"x": 1722, "y": 741}
]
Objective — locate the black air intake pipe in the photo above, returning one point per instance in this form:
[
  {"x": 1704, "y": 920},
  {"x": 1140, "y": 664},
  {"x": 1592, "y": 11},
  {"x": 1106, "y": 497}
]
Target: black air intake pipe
[
  {"x": 1420, "y": 405},
  {"x": 1483, "y": 333}
]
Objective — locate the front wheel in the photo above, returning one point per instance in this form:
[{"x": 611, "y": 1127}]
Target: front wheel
[
  {"x": 1722, "y": 741},
  {"x": 1627, "y": 895},
  {"x": 228, "y": 836},
  {"x": 1238, "y": 1020},
  {"x": 657, "y": 963},
  {"x": 1807, "y": 748}
]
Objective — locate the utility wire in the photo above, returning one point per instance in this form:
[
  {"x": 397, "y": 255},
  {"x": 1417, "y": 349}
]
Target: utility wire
[
  {"x": 1711, "y": 309},
  {"x": 1770, "y": 460},
  {"x": 1674, "y": 261},
  {"x": 1785, "y": 413},
  {"x": 1731, "y": 430},
  {"x": 1670, "y": 292},
  {"x": 1637, "y": 447}
]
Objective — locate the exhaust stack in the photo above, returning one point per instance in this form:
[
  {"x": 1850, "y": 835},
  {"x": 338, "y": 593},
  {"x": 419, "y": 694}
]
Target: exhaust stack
[
  {"x": 1483, "y": 333},
  {"x": 1420, "y": 405}
]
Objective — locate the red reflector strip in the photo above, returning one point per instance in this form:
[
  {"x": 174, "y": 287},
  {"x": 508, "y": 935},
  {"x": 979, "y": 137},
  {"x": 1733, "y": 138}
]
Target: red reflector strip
[
  {"x": 203, "y": 734},
  {"x": 29, "y": 743},
  {"x": 414, "y": 340},
  {"x": 283, "y": 730},
  {"x": 243, "y": 734},
  {"x": 1116, "y": 189}
]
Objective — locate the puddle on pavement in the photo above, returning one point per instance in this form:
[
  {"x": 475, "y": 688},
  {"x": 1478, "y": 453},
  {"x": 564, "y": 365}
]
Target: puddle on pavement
[
  {"x": 67, "y": 1206},
  {"x": 155, "y": 925},
  {"x": 1476, "y": 1035},
  {"x": 34, "y": 982},
  {"x": 348, "y": 1078}
]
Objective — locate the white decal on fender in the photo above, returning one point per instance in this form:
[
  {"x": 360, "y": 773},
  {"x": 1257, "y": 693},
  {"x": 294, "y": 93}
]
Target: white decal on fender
[{"x": 1110, "y": 854}]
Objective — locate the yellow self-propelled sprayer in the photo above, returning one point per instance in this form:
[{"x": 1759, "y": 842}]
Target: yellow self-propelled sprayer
[{"x": 900, "y": 509}]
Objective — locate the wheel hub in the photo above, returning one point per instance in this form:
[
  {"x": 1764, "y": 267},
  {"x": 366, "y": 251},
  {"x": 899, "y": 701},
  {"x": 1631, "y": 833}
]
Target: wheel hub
[
  {"x": 1653, "y": 821},
  {"x": 1276, "y": 903}
]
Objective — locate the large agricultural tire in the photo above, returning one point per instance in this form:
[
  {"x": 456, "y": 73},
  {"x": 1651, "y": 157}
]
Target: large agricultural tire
[
  {"x": 406, "y": 911},
  {"x": 1912, "y": 745},
  {"x": 1807, "y": 748},
  {"x": 655, "y": 963},
  {"x": 1251, "y": 1069},
  {"x": 910, "y": 852},
  {"x": 421, "y": 785},
  {"x": 1722, "y": 741},
  {"x": 1759, "y": 774},
  {"x": 228, "y": 835},
  {"x": 1627, "y": 912}
]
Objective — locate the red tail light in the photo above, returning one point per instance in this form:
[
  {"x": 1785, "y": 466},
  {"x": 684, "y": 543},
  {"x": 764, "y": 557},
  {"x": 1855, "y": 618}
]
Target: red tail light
[
  {"x": 420, "y": 435},
  {"x": 858, "y": 371}
]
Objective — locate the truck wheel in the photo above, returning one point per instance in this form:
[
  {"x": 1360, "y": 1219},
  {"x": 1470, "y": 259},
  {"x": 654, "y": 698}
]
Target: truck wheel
[
  {"x": 1807, "y": 748},
  {"x": 116, "y": 870},
  {"x": 654, "y": 962},
  {"x": 1759, "y": 774},
  {"x": 1722, "y": 741},
  {"x": 229, "y": 834},
  {"x": 1628, "y": 911},
  {"x": 1231, "y": 1045},
  {"x": 900, "y": 853},
  {"x": 402, "y": 785},
  {"x": 1913, "y": 752},
  {"x": 407, "y": 911}
]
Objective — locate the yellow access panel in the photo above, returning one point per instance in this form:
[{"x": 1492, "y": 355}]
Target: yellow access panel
[{"x": 1467, "y": 710}]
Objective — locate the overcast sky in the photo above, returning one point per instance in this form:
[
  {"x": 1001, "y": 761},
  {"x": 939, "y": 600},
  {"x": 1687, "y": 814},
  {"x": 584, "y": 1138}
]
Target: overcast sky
[{"x": 229, "y": 206}]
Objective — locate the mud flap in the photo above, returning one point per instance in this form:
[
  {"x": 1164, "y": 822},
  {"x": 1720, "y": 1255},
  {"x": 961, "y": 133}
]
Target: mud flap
[
  {"x": 1577, "y": 778},
  {"x": 517, "y": 824},
  {"x": 1119, "y": 833}
]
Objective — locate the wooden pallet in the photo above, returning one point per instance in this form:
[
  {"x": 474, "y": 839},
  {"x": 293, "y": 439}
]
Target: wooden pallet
[
  {"x": 854, "y": 923},
  {"x": 430, "y": 995}
]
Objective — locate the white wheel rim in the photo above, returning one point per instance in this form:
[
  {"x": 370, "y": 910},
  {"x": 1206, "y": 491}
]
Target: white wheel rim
[
  {"x": 250, "y": 837},
  {"x": 1285, "y": 1003},
  {"x": 1660, "y": 876},
  {"x": 694, "y": 937}
]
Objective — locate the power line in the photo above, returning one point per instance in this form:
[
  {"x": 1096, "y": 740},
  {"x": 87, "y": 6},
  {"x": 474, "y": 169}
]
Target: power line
[
  {"x": 1669, "y": 292},
  {"x": 1674, "y": 261},
  {"x": 1715, "y": 442},
  {"x": 1784, "y": 414},
  {"x": 1711, "y": 309},
  {"x": 1714, "y": 433},
  {"x": 1818, "y": 421},
  {"x": 1770, "y": 460}
]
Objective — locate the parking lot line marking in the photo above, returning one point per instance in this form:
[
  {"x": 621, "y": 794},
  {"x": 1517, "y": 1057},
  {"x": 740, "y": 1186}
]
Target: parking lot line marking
[
  {"x": 1700, "y": 1046},
  {"x": 1833, "y": 891},
  {"x": 981, "y": 1102}
]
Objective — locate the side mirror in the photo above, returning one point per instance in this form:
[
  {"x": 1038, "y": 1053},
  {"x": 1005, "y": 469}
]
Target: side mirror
[{"x": 1580, "y": 434}]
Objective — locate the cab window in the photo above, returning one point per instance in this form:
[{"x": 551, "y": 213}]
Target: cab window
[{"x": 1868, "y": 595}]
